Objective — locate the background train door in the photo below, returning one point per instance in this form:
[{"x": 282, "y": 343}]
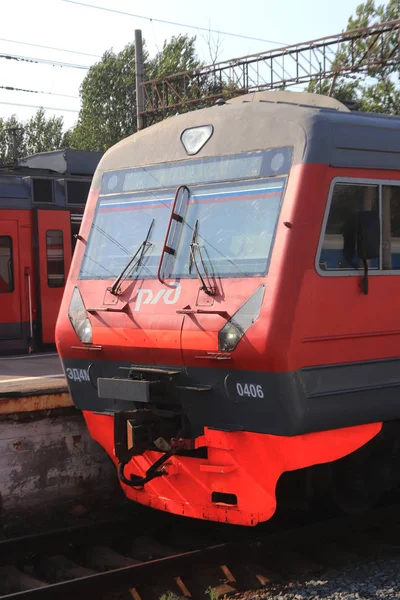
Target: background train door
[
  {"x": 10, "y": 292},
  {"x": 54, "y": 243}
]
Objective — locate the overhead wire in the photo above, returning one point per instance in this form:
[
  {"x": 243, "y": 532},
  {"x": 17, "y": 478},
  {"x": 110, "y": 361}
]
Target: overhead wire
[
  {"x": 50, "y": 48},
  {"x": 16, "y": 89},
  {"x": 55, "y": 63},
  {"x": 187, "y": 26},
  {"x": 44, "y": 107}
]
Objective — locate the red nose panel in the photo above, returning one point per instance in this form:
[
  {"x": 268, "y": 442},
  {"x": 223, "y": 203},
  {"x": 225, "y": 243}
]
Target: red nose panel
[{"x": 241, "y": 467}]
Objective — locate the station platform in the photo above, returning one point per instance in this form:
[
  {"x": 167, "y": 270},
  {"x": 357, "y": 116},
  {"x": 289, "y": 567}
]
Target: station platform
[
  {"x": 47, "y": 457},
  {"x": 32, "y": 382}
]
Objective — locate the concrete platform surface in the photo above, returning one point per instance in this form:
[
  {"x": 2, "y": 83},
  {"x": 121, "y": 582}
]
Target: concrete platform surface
[{"x": 31, "y": 374}]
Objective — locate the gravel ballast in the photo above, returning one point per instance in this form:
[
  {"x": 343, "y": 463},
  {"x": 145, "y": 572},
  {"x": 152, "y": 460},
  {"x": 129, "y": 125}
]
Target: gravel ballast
[{"x": 369, "y": 579}]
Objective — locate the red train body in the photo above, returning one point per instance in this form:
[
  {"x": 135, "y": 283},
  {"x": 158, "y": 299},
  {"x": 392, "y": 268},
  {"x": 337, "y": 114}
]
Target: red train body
[
  {"x": 230, "y": 310},
  {"x": 41, "y": 207}
]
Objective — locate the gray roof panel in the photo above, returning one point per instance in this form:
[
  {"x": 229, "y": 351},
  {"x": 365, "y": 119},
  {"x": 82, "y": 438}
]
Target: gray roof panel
[
  {"x": 321, "y": 130},
  {"x": 73, "y": 162}
]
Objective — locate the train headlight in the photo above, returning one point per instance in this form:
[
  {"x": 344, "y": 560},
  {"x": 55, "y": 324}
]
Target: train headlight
[
  {"x": 79, "y": 318},
  {"x": 233, "y": 331}
]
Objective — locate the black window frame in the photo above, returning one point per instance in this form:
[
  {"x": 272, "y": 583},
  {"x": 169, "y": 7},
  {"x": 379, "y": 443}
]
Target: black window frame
[
  {"x": 350, "y": 272},
  {"x": 12, "y": 282},
  {"x": 53, "y": 191},
  {"x": 76, "y": 180},
  {"x": 47, "y": 259}
]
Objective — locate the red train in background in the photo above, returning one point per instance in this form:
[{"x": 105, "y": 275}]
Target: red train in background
[
  {"x": 230, "y": 326},
  {"x": 42, "y": 200}
]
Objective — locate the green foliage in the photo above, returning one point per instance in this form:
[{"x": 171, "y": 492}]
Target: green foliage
[
  {"x": 177, "y": 55},
  {"x": 377, "y": 90},
  {"x": 169, "y": 596},
  {"x": 42, "y": 134},
  {"x": 211, "y": 593},
  {"x": 108, "y": 112},
  {"x": 108, "y": 109},
  {"x": 6, "y": 153},
  {"x": 344, "y": 91},
  {"x": 39, "y": 134}
]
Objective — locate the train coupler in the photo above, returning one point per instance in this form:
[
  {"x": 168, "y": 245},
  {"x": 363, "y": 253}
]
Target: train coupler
[{"x": 152, "y": 472}]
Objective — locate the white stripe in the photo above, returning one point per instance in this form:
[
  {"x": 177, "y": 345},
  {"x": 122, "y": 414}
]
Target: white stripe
[
  {"x": 149, "y": 201},
  {"x": 233, "y": 192},
  {"x": 29, "y": 378},
  {"x": 217, "y": 194}
]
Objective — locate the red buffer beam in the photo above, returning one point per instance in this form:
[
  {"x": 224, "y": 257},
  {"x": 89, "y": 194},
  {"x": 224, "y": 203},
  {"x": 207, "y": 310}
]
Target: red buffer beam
[{"x": 366, "y": 50}]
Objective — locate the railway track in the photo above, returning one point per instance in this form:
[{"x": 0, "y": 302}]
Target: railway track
[{"x": 118, "y": 559}]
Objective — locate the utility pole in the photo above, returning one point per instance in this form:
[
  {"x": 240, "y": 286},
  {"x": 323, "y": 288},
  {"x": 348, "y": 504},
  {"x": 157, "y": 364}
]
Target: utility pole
[
  {"x": 14, "y": 131},
  {"x": 139, "y": 79}
]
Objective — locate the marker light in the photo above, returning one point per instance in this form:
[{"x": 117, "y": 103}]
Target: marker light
[
  {"x": 233, "y": 331},
  {"x": 195, "y": 138},
  {"x": 79, "y": 318}
]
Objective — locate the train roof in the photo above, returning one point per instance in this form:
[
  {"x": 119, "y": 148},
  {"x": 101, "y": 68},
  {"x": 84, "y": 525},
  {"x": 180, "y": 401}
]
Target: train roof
[
  {"x": 321, "y": 130},
  {"x": 72, "y": 162},
  {"x": 68, "y": 174}
]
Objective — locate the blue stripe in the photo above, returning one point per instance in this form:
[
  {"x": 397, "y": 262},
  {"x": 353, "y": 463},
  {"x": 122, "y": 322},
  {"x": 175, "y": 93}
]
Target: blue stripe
[{"x": 107, "y": 204}]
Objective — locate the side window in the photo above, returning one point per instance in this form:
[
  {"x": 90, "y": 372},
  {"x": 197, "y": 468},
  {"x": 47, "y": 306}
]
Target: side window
[
  {"x": 339, "y": 247},
  {"x": 43, "y": 190},
  {"x": 390, "y": 227},
  {"x": 6, "y": 265},
  {"x": 55, "y": 258},
  {"x": 77, "y": 191}
]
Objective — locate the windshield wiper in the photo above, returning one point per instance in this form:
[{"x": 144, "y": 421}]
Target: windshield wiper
[
  {"x": 132, "y": 266},
  {"x": 194, "y": 246}
]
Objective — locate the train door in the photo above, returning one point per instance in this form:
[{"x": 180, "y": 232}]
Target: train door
[
  {"x": 10, "y": 291},
  {"x": 54, "y": 241}
]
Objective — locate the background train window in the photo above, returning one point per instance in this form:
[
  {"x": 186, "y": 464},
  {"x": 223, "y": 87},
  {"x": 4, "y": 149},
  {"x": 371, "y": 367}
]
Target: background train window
[
  {"x": 390, "y": 227},
  {"x": 339, "y": 250},
  {"x": 6, "y": 265},
  {"x": 77, "y": 192},
  {"x": 43, "y": 190},
  {"x": 76, "y": 220},
  {"x": 55, "y": 258}
]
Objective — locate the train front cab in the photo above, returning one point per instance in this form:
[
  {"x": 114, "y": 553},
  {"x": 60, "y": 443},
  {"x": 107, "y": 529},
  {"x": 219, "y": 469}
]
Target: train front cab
[{"x": 248, "y": 337}]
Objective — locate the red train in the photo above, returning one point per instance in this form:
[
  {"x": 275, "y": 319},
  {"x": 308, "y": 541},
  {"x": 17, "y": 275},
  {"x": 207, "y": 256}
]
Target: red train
[
  {"x": 41, "y": 206},
  {"x": 230, "y": 315}
]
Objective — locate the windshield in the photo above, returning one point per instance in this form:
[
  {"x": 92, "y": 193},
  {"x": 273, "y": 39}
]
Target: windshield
[
  {"x": 236, "y": 225},
  {"x": 235, "y": 228}
]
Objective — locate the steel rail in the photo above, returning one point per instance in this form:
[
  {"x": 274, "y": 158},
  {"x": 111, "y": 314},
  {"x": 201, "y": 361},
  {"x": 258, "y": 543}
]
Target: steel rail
[{"x": 151, "y": 573}]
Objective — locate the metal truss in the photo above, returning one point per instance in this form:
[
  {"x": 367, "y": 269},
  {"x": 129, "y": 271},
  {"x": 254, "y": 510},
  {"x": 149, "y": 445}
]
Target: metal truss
[{"x": 367, "y": 50}]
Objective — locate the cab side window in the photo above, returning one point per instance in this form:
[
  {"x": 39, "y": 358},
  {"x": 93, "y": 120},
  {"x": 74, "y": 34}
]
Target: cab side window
[
  {"x": 390, "y": 227},
  {"x": 6, "y": 265},
  {"x": 339, "y": 246}
]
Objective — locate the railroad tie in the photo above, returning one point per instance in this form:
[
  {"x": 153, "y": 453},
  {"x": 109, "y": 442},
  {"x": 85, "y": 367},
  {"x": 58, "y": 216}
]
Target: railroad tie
[{"x": 14, "y": 580}]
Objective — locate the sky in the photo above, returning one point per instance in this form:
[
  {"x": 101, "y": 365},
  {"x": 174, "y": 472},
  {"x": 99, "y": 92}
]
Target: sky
[{"x": 87, "y": 32}]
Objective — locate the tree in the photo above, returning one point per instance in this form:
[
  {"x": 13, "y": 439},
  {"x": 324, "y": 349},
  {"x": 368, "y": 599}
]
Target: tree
[
  {"x": 39, "y": 134},
  {"x": 377, "y": 90},
  {"x": 6, "y": 144},
  {"x": 108, "y": 112},
  {"x": 42, "y": 134},
  {"x": 177, "y": 55}
]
